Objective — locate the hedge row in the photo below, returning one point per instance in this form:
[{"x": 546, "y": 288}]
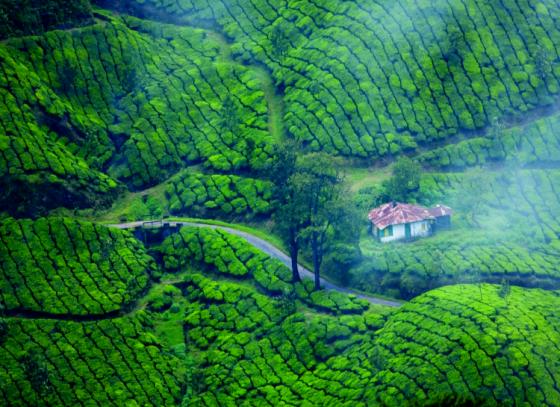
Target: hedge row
[
  {"x": 134, "y": 99},
  {"x": 251, "y": 350},
  {"x": 62, "y": 363},
  {"x": 31, "y": 155},
  {"x": 427, "y": 71},
  {"x": 481, "y": 345},
  {"x": 536, "y": 143},
  {"x": 63, "y": 266},
  {"x": 199, "y": 194},
  {"x": 232, "y": 256},
  {"x": 528, "y": 199}
]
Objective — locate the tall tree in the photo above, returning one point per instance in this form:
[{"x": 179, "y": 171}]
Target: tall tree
[
  {"x": 289, "y": 216},
  {"x": 404, "y": 183},
  {"x": 319, "y": 184},
  {"x": 495, "y": 135}
]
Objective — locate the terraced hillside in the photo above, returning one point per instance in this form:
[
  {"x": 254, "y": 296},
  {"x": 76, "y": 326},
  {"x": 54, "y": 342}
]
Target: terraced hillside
[
  {"x": 374, "y": 79},
  {"x": 66, "y": 363},
  {"x": 135, "y": 110},
  {"x": 127, "y": 98},
  {"x": 505, "y": 227},
  {"x": 485, "y": 345},
  {"x": 223, "y": 325},
  {"x": 58, "y": 266}
]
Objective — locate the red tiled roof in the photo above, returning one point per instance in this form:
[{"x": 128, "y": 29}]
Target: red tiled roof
[
  {"x": 395, "y": 213},
  {"x": 440, "y": 210}
]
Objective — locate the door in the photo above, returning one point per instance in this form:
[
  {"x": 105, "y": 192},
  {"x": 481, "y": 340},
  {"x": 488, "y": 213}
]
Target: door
[{"x": 407, "y": 231}]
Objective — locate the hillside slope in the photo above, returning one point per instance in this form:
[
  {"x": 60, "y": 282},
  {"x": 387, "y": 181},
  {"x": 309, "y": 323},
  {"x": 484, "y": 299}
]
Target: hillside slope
[
  {"x": 223, "y": 325},
  {"x": 373, "y": 79}
]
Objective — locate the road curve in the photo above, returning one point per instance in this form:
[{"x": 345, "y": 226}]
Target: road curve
[{"x": 269, "y": 249}]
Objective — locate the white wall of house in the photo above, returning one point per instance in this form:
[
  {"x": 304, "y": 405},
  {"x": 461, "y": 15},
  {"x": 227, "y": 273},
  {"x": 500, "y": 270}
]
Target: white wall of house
[
  {"x": 398, "y": 234},
  {"x": 417, "y": 229},
  {"x": 420, "y": 229}
]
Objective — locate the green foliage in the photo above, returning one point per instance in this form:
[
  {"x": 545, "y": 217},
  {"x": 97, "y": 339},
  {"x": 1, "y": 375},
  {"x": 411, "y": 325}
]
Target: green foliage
[
  {"x": 453, "y": 344},
  {"x": 533, "y": 143},
  {"x": 229, "y": 115},
  {"x": 250, "y": 350},
  {"x": 404, "y": 183},
  {"x": 232, "y": 256},
  {"x": 65, "y": 363},
  {"x": 503, "y": 227},
  {"x": 119, "y": 97},
  {"x": 203, "y": 195},
  {"x": 505, "y": 289},
  {"x": 414, "y": 77},
  {"x": 26, "y": 17},
  {"x": 62, "y": 266}
]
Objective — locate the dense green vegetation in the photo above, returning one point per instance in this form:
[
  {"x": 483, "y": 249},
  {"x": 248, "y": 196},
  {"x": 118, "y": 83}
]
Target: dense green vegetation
[
  {"x": 533, "y": 144},
  {"x": 209, "y": 334},
  {"x": 201, "y": 195},
  {"x": 468, "y": 343},
  {"x": 232, "y": 256},
  {"x": 65, "y": 363},
  {"x": 373, "y": 79},
  {"x": 257, "y": 353},
  {"x": 62, "y": 266},
  {"x": 235, "y": 110},
  {"x": 25, "y": 17},
  {"x": 506, "y": 226},
  {"x": 132, "y": 98}
]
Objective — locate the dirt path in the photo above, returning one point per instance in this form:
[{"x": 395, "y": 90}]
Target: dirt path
[{"x": 272, "y": 251}]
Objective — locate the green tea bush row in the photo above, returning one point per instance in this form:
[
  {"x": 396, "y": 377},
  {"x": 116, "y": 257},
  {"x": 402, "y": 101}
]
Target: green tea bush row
[
  {"x": 32, "y": 159},
  {"x": 472, "y": 344},
  {"x": 200, "y": 194},
  {"x": 251, "y": 351},
  {"x": 533, "y": 144},
  {"x": 426, "y": 72},
  {"x": 65, "y": 363},
  {"x": 63, "y": 266},
  {"x": 228, "y": 254},
  {"x": 528, "y": 198},
  {"x": 232, "y": 256},
  {"x": 131, "y": 98}
]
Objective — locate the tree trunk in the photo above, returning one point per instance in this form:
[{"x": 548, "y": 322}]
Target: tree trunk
[
  {"x": 294, "y": 249},
  {"x": 316, "y": 263}
]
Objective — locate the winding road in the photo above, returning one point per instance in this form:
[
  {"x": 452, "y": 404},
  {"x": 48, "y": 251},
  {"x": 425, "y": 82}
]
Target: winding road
[{"x": 266, "y": 247}]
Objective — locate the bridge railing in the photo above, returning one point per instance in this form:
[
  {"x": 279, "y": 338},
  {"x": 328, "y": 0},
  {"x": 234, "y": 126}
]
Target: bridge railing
[{"x": 153, "y": 224}]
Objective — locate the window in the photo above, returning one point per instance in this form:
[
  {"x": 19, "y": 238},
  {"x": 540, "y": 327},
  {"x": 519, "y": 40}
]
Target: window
[{"x": 388, "y": 231}]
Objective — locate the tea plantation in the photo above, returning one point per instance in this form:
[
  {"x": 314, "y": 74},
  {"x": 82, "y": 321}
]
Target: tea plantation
[
  {"x": 129, "y": 98},
  {"x": 479, "y": 344},
  {"x": 514, "y": 236},
  {"x": 372, "y": 79},
  {"x": 61, "y": 266},
  {"x": 172, "y": 117},
  {"x": 223, "y": 325},
  {"x": 202, "y": 195}
]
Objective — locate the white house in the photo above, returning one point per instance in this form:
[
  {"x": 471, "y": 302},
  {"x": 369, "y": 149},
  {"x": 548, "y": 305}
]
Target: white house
[{"x": 398, "y": 221}]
